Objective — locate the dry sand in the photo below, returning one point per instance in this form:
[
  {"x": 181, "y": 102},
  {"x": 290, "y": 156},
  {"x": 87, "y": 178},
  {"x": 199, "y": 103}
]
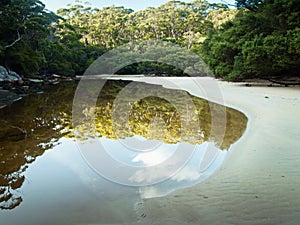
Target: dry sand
[{"x": 259, "y": 183}]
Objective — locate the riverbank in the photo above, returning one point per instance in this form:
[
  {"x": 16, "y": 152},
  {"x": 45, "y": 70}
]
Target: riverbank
[
  {"x": 14, "y": 90},
  {"x": 259, "y": 182}
]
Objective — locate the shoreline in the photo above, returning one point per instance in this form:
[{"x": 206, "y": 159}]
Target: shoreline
[
  {"x": 12, "y": 91},
  {"x": 259, "y": 181}
]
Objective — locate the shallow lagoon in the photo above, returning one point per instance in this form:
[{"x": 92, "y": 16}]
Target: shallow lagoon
[{"x": 48, "y": 172}]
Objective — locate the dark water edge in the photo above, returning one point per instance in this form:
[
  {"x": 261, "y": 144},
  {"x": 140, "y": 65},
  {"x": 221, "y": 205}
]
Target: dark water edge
[{"x": 37, "y": 134}]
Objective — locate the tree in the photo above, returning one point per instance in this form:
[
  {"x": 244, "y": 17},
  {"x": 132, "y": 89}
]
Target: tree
[
  {"x": 252, "y": 5},
  {"x": 260, "y": 43},
  {"x": 23, "y": 24}
]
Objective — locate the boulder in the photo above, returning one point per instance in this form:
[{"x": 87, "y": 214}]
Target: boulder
[{"x": 8, "y": 75}]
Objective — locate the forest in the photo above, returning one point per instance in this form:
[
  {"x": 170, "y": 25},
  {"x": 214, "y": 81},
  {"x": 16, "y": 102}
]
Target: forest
[{"x": 254, "y": 39}]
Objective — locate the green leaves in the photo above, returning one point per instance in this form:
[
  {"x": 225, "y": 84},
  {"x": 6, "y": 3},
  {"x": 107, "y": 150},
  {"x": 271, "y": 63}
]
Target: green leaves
[
  {"x": 260, "y": 43},
  {"x": 184, "y": 23},
  {"x": 23, "y": 24},
  {"x": 261, "y": 39}
]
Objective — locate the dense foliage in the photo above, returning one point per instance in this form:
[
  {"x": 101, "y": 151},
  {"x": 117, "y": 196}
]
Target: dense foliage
[
  {"x": 24, "y": 29},
  {"x": 258, "y": 39},
  {"x": 262, "y": 41},
  {"x": 30, "y": 43}
]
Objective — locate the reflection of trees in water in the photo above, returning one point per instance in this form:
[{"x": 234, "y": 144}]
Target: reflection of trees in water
[
  {"x": 46, "y": 118},
  {"x": 42, "y": 117},
  {"x": 9, "y": 197},
  {"x": 15, "y": 158},
  {"x": 155, "y": 117}
]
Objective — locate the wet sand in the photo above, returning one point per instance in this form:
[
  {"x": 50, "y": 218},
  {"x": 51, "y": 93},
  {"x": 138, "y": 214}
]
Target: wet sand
[{"x": 259, "y": 182}]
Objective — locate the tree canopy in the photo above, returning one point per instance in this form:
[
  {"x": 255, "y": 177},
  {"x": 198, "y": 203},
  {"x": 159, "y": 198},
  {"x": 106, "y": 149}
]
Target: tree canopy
[
  {"x": 259, "y": 38},
  {"x": 262, "y": 41}
]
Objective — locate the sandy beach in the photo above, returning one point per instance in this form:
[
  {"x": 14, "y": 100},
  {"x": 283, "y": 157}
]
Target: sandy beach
[{"x": 259, "y": 181}]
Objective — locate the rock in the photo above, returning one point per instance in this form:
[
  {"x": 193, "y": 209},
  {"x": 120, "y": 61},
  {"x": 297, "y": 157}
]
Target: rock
[
  {"x": 78, "y": 77},
  {"x": 8, "y": 75},
  {"x": 55, "y": 82},
  {"x": 7, "y": 97},
  {"x": 25, "y": 88},
  {"x": 39, "y": 92},
  {"x": 12, "y": 133},
  {"x": 56, "y": 76},
  {"x": 36, "y": 81},
  {"x": 2, "y": 105}
]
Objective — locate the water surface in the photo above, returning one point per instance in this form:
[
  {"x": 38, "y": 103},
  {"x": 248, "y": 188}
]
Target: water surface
[{"x": 45, "y": 180}]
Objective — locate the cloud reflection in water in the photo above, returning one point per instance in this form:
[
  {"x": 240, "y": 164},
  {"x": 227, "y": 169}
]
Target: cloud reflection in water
[{"x": 205, "y": 160}]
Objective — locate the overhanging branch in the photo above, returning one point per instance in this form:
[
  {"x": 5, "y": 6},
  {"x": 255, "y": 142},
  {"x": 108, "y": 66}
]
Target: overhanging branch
[{"x": 15, "y": 41}]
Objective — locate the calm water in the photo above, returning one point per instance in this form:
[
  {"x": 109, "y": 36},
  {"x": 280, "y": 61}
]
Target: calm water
[{"x": 46, "y": 177}]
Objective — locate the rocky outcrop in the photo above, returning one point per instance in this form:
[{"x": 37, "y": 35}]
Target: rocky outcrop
[
  {"x": 8, "y": 75},
  {"x": 13, "y": 87}
]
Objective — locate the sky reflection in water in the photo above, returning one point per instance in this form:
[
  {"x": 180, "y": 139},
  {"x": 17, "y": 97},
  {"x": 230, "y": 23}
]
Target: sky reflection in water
[
  {"x": 205, "y": 159},
  {"x": 45, "y": 172}
]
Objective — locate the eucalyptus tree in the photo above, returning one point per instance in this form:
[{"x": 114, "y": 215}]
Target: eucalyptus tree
[
  {"x": 221, "y": 16},
  {"x": 24, "y": 24},
  {"x": 110, "y": 26}
]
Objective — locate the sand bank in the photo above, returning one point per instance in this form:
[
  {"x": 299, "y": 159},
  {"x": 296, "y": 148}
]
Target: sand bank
[{"x": 259, "y": 182}]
